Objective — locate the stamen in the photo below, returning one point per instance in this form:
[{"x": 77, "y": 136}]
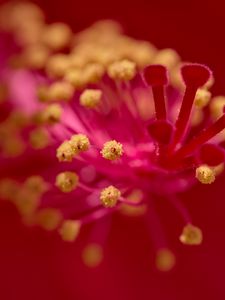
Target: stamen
[
  {"x": 93, "y": 73},
  {"x": 194, "y": 76},
  {"x": 167, "y": 57},
  {"x": 48, "y": 218},
  {"x": 67, "y": 181},
  {"x": 70, "y": 230},
  {"x": 205, "y": 174},
  {"x": 39, "y": 138},
  {"x": 110, "y": 196},
  {"x": 79, "y": 143},
  {"x": 92, "y": 255},
  {"x": 191, "y": 235},
  {"x": 76, "y": 78},
  {"x": 124, "y": 70},
  {"x": 57, "y": 35},
  {"x": 60, "y": 91},
  {"x": 3, "y": 92},
  {"x": 165, "y": 260},
  {"x": 8, "y": 189},
  {"x": 57, "y": 65},
  {"x": 36, "y": 185},
  {"x": 90, "y": 98},
  {"x": 216, "y": 106},
  {"x": 26, "y": 201},
  {"x": 156, "y": 77},
  {"x": 202, "y": 98},
  {"x": 52, "y": 114},
  {"x": 112, "y": 150},
  {"x": 36, "y": 56},
  {"x": 65, "y": 152}
]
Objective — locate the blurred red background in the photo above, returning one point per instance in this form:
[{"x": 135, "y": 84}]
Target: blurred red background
[{"x": 34, "y": 265}]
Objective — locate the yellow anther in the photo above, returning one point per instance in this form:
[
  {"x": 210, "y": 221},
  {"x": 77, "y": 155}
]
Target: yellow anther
[
  {"x": 76, "y": 78},
  {"x": 93, "y": 73},
  {"x": 191, "y": 235},
  {"x": 57, "y": 36},
  {"x": 165, "y": 260},
  {"x": 3, "y": 92},
  {"x": 122, "y": 70},
  {"x": 202, "y": 98},
  {"x": 49, "y": 218},
  {"x": 79, "y": 143},
  {"x": 167, "y": 57},
  {"x": 36, "y": 56},
  {"x": 26, "y": 201},
  {"x": 110, "y": 196},
  {"x": 57, "y": 65},
  {"x": 142, "y": 53},
  {"x": 42, "y": 93},
  {"x": 216, "y": 106},
  {"x": 39, "y": 138},
  {"x": 36, "y": 184},
  {"x": 90, "y": 98},
  {"x": 18, "y": 120},
  {"x": 67, "y": 181},
  {"x": 52, "y": 114},
  {"x": 92, "y": 255},
  {"x": 60, "y": 91},
  {"x": 197, "y": 117},
  {"x": 70, "y": 230},
  {"x": 205, "y": 174},
  {"x": 219, "y": 169},
  {"x": 112, "y": 150},
  {"x": 136, "y": 196},
  {"x": 13, "y": 146},
  {"x": 8, "y": 189},
  {"x": 65, "y": 152}
]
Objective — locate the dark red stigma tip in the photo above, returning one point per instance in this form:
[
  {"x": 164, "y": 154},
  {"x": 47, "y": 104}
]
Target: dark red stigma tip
[
  {"x": 211, "y": 155},
  {"x": 195, "y": 75},
  {"x": 155, "y": 75},
  {"x": 161, "y": 131}
]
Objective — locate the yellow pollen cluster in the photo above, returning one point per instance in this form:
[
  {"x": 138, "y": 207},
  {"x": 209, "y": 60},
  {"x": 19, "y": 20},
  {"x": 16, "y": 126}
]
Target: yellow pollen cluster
[
  {"x": 110, "y": 196},
  {"x": 52, "y": 114},
  {"x": 216, "y": 106},
  {"x": 92, "y": 255},
  {"x": 67, "y": 181},
  {"x": 205, "y": 174},
  {"x": 36, "y": 184},
  {"x": 8, "y": 189},
  {"x": 165, "y": 260},
  {"x": 202, "y": 98},
  {"x": 60, "y": 91},
  {"x": 39, "y": 138},
  {"x": 57, "y": 36},
  {"x": 167, "y": 57},
  {"x": 79, "y": 143},
  {"x": 90, "y": 98},
  {"x": 48, "y": 218},
  {"x": 112, "y": 150},
  {"x": 69, "y": 149},
  {"x": 124, "y": 70},
  {"x": 35, "y": 56},
  {"x": 57, "y": 65},
  {"x": 3, "y": 92},
  {"x": 135, "y": 197},
  {"x": 191, "y": 235},
  {"x": 69, "y": 230},
  {"x": 27, "y": 197}
]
